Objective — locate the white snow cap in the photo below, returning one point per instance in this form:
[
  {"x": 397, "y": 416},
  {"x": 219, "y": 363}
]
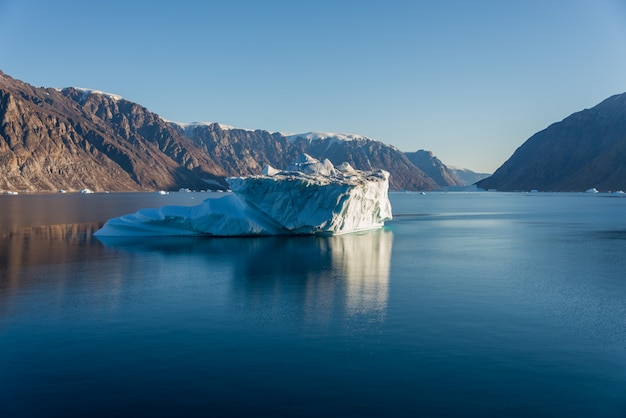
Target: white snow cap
[
  {"x": 87, "y": 92},
  {"x": 223, "y": 127},
  {"x": 310, "y": 136}
]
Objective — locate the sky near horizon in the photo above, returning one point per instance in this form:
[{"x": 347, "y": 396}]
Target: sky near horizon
[{"x": 468, "y": 80}]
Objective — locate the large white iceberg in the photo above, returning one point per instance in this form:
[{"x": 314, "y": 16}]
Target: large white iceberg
[{"x": 310, "y": 197}]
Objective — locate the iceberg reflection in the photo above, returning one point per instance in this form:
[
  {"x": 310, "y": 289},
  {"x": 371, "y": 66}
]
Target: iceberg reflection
[
  {"x": 313, "y": 278},
  {"x": 365, "y": 260}
]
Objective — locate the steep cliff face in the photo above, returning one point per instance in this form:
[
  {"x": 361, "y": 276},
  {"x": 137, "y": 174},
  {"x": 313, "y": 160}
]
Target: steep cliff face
[
  {"x": 587, "y": 149},
  {"x": 367, "y": 154},
  {"x": 42, "y": 147},
  {"x": 75, "y": 138},
  {"x": 242, "y": 152}
]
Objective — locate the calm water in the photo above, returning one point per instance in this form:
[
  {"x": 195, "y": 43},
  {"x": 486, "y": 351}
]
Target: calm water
[{"x": 480, "y": 304}]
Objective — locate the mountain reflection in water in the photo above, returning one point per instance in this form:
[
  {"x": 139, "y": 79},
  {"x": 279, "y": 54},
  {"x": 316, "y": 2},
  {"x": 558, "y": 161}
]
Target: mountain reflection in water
[{"x": 27, "y": 247}]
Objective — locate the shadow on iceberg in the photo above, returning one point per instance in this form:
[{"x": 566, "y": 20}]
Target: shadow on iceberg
[{"x": 310, "y": 197}]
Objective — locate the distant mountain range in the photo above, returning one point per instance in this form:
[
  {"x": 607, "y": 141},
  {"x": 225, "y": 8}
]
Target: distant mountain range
[
  {"x": 74, "y": 138},
  {"x": 585, "y": 150},
  {"x": 435, "y": 169}
]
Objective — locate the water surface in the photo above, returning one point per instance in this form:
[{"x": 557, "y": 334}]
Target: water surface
[{"x": 466, "y": 304}]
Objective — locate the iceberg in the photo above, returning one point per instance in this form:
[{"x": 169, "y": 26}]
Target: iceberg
[{"x": 310, "y": 197}]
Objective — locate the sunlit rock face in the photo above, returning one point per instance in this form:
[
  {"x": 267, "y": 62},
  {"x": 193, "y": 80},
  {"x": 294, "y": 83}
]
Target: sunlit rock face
[{"x": 310, "y": 197}]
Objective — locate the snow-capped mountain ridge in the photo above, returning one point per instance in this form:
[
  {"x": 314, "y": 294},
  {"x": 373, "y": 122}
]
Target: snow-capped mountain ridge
[
  {"x": 192, "y": 125},
  {"x": 291, "y": 137},
  {"x": 318, "y": 135},
  {"x": 87, "y": 92},
  {"x": 309, "y": 136}
]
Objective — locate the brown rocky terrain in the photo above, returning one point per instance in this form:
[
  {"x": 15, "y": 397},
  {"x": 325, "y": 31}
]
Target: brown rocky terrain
[
  {"x": 434, "y": 168},
  {"x": 74, "y": 139},
  {"x": 585, "y": 150}
]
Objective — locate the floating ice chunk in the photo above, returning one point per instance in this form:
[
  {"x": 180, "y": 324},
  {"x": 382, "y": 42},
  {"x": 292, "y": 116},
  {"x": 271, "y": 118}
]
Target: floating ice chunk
[{"x": 311, "y": 197}]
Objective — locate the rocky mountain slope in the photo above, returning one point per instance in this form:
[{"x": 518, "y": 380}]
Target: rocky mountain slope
[
  {"x": 75, "y": 138},
  {"x": 585, "y": 150},
  {"x": 434, "y": 168}
]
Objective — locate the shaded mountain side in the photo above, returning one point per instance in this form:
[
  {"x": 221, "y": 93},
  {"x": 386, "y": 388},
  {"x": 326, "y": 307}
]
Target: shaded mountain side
[
  {"x": 367, "y": 154},
  {"x": 245, "y": 152},
  {"x": 434, "y": 168},
  {"x": 584, "y": 150},
  {"x": 242, "y": 152},
  {"x": 75, "y": 138}
]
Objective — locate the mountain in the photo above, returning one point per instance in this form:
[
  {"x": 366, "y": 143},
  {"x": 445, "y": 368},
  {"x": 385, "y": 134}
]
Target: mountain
[
  {"x": 73, "y": 139},
  {"x": 434, "y": 168},
  {"x": 466, "y": 176},
  {"x": 446, "y": 177},
  {"x": 367, "y": 154},
  {"x": 77, "y": 138},
  {"x": 246, "y": 152},
  {"x": 585, "y": 150}
]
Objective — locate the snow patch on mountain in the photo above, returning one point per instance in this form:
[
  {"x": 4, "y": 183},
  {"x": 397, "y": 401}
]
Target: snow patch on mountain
[
  {"x": 87, "y": 92},
  {"x": 316, "y": 135},
  {"x": 192, "y": 125}
]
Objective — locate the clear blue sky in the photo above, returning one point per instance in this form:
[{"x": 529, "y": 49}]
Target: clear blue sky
[{"x": 468, "y": 80}]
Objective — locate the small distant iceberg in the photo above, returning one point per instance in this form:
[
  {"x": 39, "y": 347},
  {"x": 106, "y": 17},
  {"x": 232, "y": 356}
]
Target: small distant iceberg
[
  {"x": 85, "y": 191},
  {"x": 592, "y": 190},
  {"x": 308, "y": 198}
]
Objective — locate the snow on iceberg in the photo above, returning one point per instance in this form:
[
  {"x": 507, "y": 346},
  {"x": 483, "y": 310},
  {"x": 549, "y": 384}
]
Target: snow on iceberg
[{"x": 310, "y": 197}]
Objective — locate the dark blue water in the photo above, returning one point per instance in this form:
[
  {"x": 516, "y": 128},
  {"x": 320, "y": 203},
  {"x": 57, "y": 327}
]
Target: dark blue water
[{"x": 480, "y": 304}]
